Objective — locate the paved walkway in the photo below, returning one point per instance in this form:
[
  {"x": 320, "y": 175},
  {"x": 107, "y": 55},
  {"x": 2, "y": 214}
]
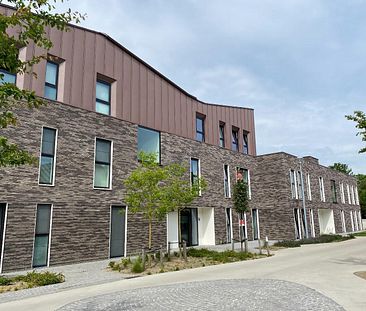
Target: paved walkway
[{"x": 212, "y": 295}]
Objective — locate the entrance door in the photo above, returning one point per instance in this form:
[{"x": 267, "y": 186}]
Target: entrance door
[
  {"x": 2, "y": 230},
  {"x": 228, "y": 225},
  {"x": 255, "y": 222},
  {"x": 117, "y": 234},
  {"x": 189, "y": 226}
]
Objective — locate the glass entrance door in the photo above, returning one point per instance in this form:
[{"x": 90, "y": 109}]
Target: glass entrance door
[{"x": 189, "y": 226}]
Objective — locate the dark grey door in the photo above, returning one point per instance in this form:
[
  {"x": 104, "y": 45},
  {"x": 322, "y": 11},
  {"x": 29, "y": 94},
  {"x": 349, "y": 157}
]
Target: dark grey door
[
  {"x": 255, "y": 224},
  {"x": 2, "y": 227},
  {"x": 118, "y": 226}
]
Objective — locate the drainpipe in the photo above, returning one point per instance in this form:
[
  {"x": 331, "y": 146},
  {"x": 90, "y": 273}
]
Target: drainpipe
[{"x": 303, "y": 199}]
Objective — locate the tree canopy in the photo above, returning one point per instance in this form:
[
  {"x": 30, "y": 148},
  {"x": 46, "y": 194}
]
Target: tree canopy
[
  {"x": 360, "y": 118},
  {"x": 361, "y": 185},
  {"x": 30, "y": 21},
  {"x": 341, "y": 167},
  {"x": 241, "y": 197}
]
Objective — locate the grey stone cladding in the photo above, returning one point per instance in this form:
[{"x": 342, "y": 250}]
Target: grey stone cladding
[{"x": 273, "y": 190}]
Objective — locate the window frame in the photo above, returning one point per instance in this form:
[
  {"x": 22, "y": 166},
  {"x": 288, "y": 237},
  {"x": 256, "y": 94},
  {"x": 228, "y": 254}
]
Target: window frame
[
  {"x": 321, "y": 188},
  {"x": 239, "y": 169},
  {"x": 293, "y": 185},
  {"x": 101, "y": 101},
  {"x": 198, "y": 172},
  {"x": 333, "y": 188},
  {"x": 201, "y": 117},
  {"x": 236, "y": 131},
  {"x": 110, "y": 164},
  {"x": 245, "y": 142},
  {"x": 309, "y": 187},
  {"x": 299, "y": 185},
  {"x": 222, "y": 134},
  {"x": 57, "y": 79},
  {"x": 227, "y": 186},
  {"x": 153, "y": 130},
  {"x": 54, "y": 158}
]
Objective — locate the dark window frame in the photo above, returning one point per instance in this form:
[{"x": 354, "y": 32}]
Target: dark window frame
[
  {"x": 49, "y": 156},
  {"x": 103, "y": 163},
  {"x": 202, "y": 118},
  {"x": 333, "y": 187},
  {"x": 150, "y": 129},
  {"x": 57, "y": 78},
  {"x": 222, "y": 134},
  {"x": 101, "y": 101},
  {"x": 198, "y": 170},
  {"x": 245, "y": 142}
]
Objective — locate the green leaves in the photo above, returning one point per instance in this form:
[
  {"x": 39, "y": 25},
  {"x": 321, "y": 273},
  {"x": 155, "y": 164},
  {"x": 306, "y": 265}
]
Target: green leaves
[
  {"x": 12, "y": 155},
  {"x": 241, "y": 196},
  {"x": 341, "y": 167},
  {"x": 360, "y": 118}
]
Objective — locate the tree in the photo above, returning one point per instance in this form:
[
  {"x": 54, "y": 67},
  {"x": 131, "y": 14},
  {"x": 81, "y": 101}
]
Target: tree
[
  {"x": 241, "y": 204},
  {"x": 155, "y": 190},
  {"x": 341, "y": 167},
  {"x": 360, "y": 118},
  {"x": 30, "y": 19},
  {"x": 361, "y": 185}
]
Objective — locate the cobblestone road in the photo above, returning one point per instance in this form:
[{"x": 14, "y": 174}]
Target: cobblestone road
[{"x": 252, "y": 294}]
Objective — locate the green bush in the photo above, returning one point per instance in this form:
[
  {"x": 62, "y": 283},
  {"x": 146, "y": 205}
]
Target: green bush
[
  {"x": 40, "y": 278},
  {"x": 4, "y": 281},
  {"x": 226, "y": 256},
  {"x": 137, "y": 266},
  {"x": 287, "y": 243}
]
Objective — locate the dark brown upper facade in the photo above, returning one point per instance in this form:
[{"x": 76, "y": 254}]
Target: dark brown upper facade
[{"x": 138, "y": 92}]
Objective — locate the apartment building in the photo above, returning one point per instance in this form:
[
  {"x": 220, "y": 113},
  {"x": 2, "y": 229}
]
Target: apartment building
[{"x": 105, "y": 105}]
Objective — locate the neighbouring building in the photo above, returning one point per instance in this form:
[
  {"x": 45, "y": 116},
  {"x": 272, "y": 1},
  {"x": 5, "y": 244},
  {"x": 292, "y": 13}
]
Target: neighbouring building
[{"x": 104, "y": 105}]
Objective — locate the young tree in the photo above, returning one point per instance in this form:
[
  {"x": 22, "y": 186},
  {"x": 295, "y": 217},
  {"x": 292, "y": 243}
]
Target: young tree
[
  {"x": 155, "y": 190},
  {"x": 361, "y": 185},
  {"x": 341, "y": 167},
  {"x": 30, "y": 21},
  {"x": 241, "y": 204},
  {"x": 360, "y": 118}
]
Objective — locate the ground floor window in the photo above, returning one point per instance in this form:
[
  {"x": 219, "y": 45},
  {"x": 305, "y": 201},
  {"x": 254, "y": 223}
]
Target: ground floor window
[
  {"x": 343, "y": 221},
  {"x": 312, "y": 227},
  {"x": 299, "y": 223},
  {"x": 255, "y": 224},
  {"x": 42, "y": 235},
  {"x": 228, "y": 225},
  {"x": 118, "y": 231}
]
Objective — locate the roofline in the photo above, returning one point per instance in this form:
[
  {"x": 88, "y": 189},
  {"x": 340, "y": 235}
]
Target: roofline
[{"x": 144, "y": 63}]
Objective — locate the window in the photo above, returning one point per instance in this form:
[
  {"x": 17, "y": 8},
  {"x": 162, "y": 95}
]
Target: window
[
  {"x": 42, "y": 235},
  {"x": 103, "y": 97},
  {"x": 102, "y": 167},
  {"x": 50, "y": 89},
  {"x": 148, "y": 141},
  {"x": 48, "y": 157},
  {"x": 245, "y": 143},
  {"x": 312, "y": 227},
  {"x": 7, "y": 77},
  {"x": 195, "y": 172},
  {"x": 343, "y": 198},
  {"x": 227, "y": 181},
  {"x": 309, "y": 187},
  {"x": 352, "y": 223},
  {"x": 299, "y": 185},
  {"x": 244, "y": 174},
  {"x": 343, "y": 221},
  {"x": 348, "y": 194},
  {"x": 333, "y": 190},
  {"x": 321, "y": 187},
  {"x": 293, "y": 184},
  {"x": 235, "y": 139},
  {"x": 356, "y": 196},
  {"x": 353, "y": 196},
  {"x": 200, "y": 127},
  {"x": 222, "y": 134}
]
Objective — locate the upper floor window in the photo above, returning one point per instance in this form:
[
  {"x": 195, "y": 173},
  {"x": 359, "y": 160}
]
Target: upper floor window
[
  {"x": 200, "y": 127},
  {"x": 103, "y": 97},
  {"x": 222, "y": 134},
  {"x": 356, "y": 196},
  {"x": 7, "y": 77},
  {"x": 333, "y": 190},
  {"x": 343, "y": 198},
  {"x": 321, "y": 188},
  {"x": 244, "y": 174},
  {"x": 48, "y": 157},
  {"x": 235, "y": 139},
  {"x": 353, "y": 196},
  {"x": 50, "y": 89},
  {"x": 245, "y": 142},
  {"x": 227, "y": 181},
  {"x": 348, "y": 194},
  {"x": 102, "y": 165},
  {"x": 293, "y": 184},
  {"x": 309, "y": 187},
  {"x": 195, "y": 172},
  {"x": 149, "y": 141},
  {"x": 299, "y": 185}
]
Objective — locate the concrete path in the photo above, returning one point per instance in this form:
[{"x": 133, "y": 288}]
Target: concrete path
[{"x": 327, "y": 268}]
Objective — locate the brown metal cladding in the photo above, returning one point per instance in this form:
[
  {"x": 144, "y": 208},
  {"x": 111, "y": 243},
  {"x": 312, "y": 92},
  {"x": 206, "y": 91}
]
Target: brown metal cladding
[{"x": 140, "y": 94}]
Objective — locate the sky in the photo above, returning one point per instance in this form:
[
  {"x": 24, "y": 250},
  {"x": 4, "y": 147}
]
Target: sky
[{"x": 301, "y": 64}]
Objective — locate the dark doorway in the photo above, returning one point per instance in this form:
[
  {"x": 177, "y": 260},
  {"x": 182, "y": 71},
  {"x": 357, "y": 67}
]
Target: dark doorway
[
  {"x": 189, "y": 226},
  {"x": 2, "y": 228},
  {"x": 228, "y": 225},
  {"x": 118, "y": 228}
]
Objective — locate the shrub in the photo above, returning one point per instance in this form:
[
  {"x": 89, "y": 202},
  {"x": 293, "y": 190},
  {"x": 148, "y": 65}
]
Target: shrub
[
  {"x": 40, "y": 278},
  {"x": 111, "y": 264},
  {"x": 287, "y": 243},
  {"x": 226, "y": 256},
  {"x": 4, "y": 281},
  {"x": 137, "y": 266}
]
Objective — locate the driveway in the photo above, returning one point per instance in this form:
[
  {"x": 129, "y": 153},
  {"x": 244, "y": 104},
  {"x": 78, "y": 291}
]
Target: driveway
[{"x": 318, "y": 271}]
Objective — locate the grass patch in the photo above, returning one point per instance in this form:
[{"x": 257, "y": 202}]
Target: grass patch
[
  {"x": 363, "y": 233},
  {"x": 31, "y": 279},
  {"x": 325, "y": 238}
]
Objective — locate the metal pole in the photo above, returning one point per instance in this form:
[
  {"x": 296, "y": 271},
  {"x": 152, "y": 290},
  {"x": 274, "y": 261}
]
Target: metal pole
[{"x": 303, "y": 200}]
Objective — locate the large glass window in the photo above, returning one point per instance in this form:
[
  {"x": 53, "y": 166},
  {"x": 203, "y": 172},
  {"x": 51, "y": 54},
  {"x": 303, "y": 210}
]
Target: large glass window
[
  {"x": 293, "y": 184},
  {"x": 149, "y": 141},
  {"x": 103, "y": 97},
  {"x": 245, "y": 143},
  {"x": 235, "y": 139},
  {"x": 299, "y": 185},
  {"x": 321, "y": 188},
  {"x": 243, "y": 174},
  {"x": 48, "y": 156},
  {"x": 194, "y": 171},
  {"x": 42, "y": 234},
  {"x": 309, "y": 187},
  {"x": 226, "y": 181},
  {"x": 222, "y": 134},
  {"x": 50, "y": 89},
  {"x": 334, "y": 190},
  {"x": 200, "y": 127},
  {"x": 7, "y": 77},
  {"x": 102, "y": 169}
]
